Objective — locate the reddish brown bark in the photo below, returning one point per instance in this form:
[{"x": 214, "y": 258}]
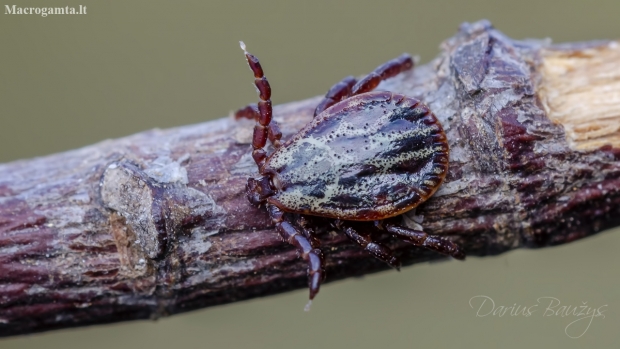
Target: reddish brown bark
[{"x": 158, "y": 223}]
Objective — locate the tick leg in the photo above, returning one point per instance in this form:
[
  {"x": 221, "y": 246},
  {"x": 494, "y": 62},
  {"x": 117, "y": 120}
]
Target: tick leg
[
  {"x": 251, "y": 112},
  {"x": 262, "y": 112},
  {"x": 307, "y": 248},
  {"x": 336, "y": 93},
  {"x": 308, "y": 229},
  {"x": 431, "y": 242},
  {"x": 378, "y": 250},
  {"x": 385, "y": 71}
]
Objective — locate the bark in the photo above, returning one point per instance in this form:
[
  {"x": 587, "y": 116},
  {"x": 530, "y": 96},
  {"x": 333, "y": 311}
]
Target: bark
[{"x": 158, "y": 223}]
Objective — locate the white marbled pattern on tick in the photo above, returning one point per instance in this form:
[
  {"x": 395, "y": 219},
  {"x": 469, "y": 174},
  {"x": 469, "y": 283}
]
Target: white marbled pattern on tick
[{"x": 373, "y": 156}]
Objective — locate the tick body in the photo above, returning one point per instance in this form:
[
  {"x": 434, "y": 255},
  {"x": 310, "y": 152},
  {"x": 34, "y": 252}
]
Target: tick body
[
  {"x": 372, "y": 156},
  {"x": 366, "y": 156}
]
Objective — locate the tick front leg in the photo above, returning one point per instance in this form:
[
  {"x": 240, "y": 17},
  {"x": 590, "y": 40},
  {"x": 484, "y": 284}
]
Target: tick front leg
[
  {"x": 336, "y": 93},
  {"x": 431, "y": 242},
  {"x": 308, "y": 248},
  {"x": 367, "y": 242},
  {"x": 251, "y": 112},
  {"x": 385, "y": 71},
  {"x": 262, "y": 113}
]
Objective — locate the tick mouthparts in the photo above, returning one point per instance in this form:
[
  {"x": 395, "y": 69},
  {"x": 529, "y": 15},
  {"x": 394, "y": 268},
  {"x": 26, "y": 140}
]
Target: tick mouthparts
[{"x": 242, "y": 45}]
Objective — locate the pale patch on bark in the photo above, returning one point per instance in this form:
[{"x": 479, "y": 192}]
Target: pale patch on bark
[{"x": 580, "y": 89}]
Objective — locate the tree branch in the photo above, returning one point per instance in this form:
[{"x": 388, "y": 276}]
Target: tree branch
[{"x": 158, "y": 223}]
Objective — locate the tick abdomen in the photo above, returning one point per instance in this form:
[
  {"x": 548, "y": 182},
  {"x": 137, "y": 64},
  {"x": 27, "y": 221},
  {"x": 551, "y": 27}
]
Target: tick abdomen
[{"x": 371, "y": 156}]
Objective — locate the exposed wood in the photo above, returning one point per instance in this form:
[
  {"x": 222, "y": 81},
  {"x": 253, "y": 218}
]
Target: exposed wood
[
  {"x": 158, "y": 223},
  {"x": 580, "y": 89}
]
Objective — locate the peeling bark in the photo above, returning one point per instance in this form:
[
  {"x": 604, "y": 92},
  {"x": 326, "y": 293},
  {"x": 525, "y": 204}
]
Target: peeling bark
[{"x": 158, "y": 223}]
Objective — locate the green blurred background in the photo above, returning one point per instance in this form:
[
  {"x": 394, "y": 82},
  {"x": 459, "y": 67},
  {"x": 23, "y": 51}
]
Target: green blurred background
[{"x": 128, "y": 66}]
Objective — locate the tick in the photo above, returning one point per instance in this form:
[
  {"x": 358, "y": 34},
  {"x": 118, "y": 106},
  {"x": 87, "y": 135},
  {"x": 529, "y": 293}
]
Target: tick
[{"x": 364, "y": 159}]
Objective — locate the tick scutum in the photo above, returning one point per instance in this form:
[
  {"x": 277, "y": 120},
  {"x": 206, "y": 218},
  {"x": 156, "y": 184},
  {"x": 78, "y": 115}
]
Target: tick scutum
[{"x": 371, "y": 156}]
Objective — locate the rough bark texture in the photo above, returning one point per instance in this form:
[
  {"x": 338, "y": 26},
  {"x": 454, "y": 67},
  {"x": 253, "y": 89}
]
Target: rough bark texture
[{"x": 158, "y": 223}]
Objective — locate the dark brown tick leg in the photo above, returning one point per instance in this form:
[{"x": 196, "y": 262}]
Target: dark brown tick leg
[
  {"x": 336, "y": 93},
  {"x": 262, "y": 113},
  {"x": 311, "y": 254},
  {"x": 350, "y": 87},
  {"x": 308, "y": 229},
  {"x": 250, "y": 111},
  {"x": 366, "y": 241},
  {"x": 385, "y": 71},
  {"x": 431, "y": 242}
]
